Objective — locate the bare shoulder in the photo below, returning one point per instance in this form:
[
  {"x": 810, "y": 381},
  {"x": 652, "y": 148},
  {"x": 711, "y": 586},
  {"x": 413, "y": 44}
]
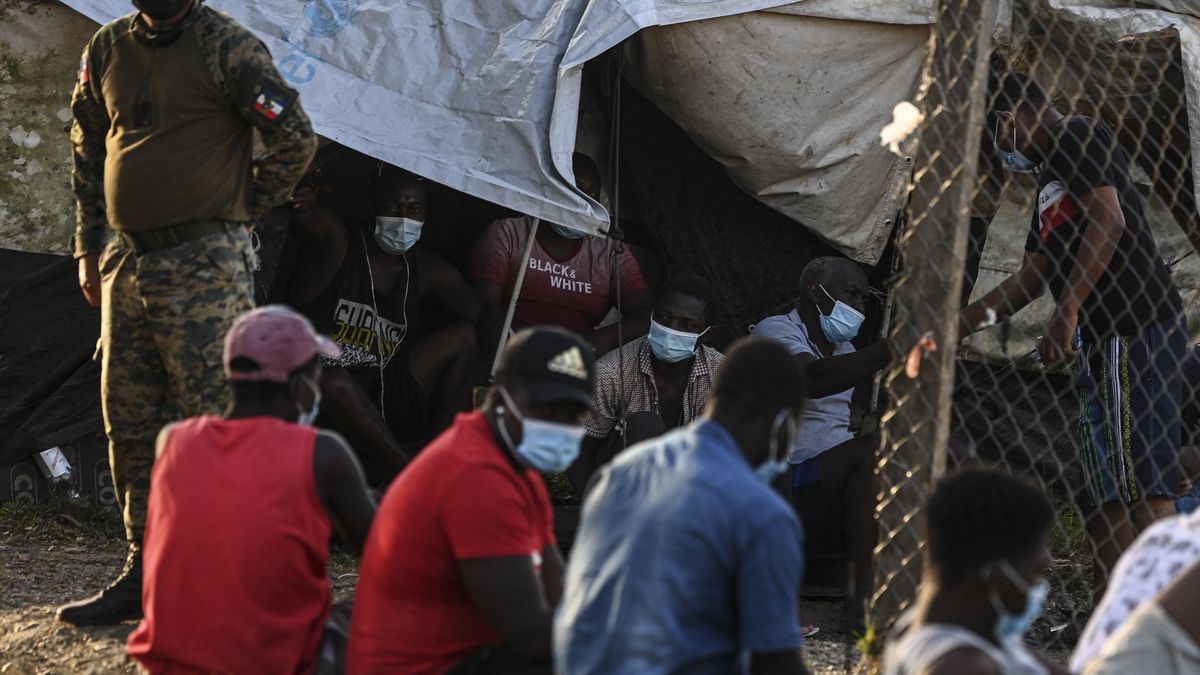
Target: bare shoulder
[{"x": 331, "y": 443}]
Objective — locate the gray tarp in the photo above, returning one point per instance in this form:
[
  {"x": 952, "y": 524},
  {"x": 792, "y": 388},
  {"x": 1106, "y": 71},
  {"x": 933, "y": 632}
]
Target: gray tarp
[
  {"x": 743, "y": 84},
  {"x": 792, "y": 107}
]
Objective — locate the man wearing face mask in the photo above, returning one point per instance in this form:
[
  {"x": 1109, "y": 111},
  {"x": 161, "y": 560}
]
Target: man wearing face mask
[
  {"x": 686, "y": 560},
  {"x": 363, "y": 283},
  {"x": 984, "y": 584},
  {"x": 572, "y": 279},
  {"x": 665, "y": 382},
  {"x": 237, "y": 537},
  {"x": 832, "y": 471},
  {"x": 167, "y": 107},
  {"x": 462, "y": 573},
  {"x": 1117, "y": 321}
]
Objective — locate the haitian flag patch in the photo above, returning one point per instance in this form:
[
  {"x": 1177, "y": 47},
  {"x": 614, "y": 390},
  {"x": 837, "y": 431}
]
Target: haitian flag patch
[
  {"x": 270, "y": 104},
  {"x": 83, "y": 70}
]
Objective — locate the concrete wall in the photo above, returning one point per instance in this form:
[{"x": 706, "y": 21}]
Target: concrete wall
[{"x": 40, "y": 45}]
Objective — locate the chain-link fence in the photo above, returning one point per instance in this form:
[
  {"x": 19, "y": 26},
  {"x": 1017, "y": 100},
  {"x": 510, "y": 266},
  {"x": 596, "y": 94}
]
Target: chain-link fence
[{"x": 1054, "y": 196}]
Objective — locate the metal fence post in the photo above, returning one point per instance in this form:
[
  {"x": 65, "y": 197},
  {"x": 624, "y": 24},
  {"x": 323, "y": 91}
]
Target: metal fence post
[{"x": 929, "y": 292}]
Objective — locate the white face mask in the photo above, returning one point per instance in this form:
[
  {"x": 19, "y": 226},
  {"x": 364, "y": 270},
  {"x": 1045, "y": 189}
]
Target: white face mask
[{"x": 397, "y": 235}]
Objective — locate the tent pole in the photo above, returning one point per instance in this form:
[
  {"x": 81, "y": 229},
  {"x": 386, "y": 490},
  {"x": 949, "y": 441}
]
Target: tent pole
[{"x": 516, "y": 294}]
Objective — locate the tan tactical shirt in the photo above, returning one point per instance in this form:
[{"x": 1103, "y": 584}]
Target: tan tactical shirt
[{"x": 163, "y": 126}]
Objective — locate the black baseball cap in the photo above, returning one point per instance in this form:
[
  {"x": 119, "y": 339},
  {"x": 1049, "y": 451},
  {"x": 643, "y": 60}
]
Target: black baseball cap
[{"x": 552, "y": 365}]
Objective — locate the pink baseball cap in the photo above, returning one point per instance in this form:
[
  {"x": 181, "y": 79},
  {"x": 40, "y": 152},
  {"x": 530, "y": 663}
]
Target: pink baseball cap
[{"x": 278, "y": 339}]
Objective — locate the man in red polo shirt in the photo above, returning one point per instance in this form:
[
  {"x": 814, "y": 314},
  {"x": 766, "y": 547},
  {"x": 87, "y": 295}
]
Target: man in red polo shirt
[
  {"x": 461, "y": 570},
  {"x": 240, "y": 513}
]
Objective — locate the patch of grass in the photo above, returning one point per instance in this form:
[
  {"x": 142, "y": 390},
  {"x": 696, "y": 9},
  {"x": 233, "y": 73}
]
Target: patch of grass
[
  {"x": 1068, "y": 539},
  {"x": 870, "y": 645},
  {"x": 560, "y": 489},
  {"x": 59, "y": 521},
  {"x": 342, "y": 560}
]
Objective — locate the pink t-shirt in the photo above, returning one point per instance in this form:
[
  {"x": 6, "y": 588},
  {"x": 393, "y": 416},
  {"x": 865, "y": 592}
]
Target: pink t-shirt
[{"x": 575, "y": 293}]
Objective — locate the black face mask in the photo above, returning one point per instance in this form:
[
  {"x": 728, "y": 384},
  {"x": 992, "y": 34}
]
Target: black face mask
[{"x": 160, "y": 10}]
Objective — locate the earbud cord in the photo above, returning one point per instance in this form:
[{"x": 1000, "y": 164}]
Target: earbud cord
[{"x": 378, "y": 323}]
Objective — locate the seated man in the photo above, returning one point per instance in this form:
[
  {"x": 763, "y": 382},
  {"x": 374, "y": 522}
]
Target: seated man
[
  {"x": 984, "y": 582},
  {"x": 654, "y": 383},
  {"x": 832, "y": 470},
  {"x": 1162, "y": 636},
  {"x": 571, "y": 281},
  {"x": 363, "y": 283},
  {"x": 687, "y": 561},
  {"x": 240, "y": 514},
  {"x": 462, "y": 570}
]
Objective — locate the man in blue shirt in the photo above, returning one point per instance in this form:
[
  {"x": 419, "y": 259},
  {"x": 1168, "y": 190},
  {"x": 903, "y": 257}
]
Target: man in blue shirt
[{"x": 686, "y": 560}]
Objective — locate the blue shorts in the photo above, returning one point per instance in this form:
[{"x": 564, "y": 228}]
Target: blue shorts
[
  {"x": 1129, "y": 393},
  {"x": 824, "y": 534}
]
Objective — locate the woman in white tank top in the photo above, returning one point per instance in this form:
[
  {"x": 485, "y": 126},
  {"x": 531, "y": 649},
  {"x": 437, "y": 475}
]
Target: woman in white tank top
[{"x": 984, "y": 584}]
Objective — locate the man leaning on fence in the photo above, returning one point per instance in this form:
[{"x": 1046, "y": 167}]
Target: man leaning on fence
[
  {"x": 165, "y": 105},
  {"x": 1117, "y": 318}
]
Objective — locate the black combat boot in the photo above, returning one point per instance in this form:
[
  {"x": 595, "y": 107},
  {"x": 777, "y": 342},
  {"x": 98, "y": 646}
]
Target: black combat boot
[{"x": 121, "y": 601}]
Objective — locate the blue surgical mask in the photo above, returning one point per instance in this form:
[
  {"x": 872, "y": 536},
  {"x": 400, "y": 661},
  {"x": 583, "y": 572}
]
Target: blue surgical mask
[
  {"x": 1013, "y": 160},
  {"x": 1016, "y": 161},
  {"x": 777, "y": 461},
  {"x": 1011, "y": 626},
  {"x": 842, "y": 324},
  {"x": 566, "y": 232},
  {"x": 397, "y": 235},
  {"x": 669, "y": 345},
  {"x": 307, "y": 418},
  {"x": 546, "y": 446}
]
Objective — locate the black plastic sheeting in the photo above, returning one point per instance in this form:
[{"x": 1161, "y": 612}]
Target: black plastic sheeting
[{"x": 49, "y": 384}]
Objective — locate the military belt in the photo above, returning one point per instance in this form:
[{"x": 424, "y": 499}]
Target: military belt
[{"x": 170, "y": 237}]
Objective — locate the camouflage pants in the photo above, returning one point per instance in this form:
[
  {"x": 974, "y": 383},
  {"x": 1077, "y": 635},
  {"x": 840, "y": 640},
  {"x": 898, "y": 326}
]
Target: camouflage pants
[{"x": 164, "y": 315}]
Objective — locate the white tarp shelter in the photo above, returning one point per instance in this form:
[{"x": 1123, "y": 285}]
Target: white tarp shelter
[{"x": 484, "y": 97}]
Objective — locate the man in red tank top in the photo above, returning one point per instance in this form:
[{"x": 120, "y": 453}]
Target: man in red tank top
[
  {"x": 241, "y": 510},
  {"x": 461, "y": 572}
]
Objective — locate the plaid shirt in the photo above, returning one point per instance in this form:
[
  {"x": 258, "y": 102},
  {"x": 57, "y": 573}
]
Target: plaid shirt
[{"x": 641, "y": 394}]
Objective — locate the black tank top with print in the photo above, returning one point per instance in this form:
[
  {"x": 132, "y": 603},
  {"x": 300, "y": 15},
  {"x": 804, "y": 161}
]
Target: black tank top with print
[{"x": 366, "y": 325}]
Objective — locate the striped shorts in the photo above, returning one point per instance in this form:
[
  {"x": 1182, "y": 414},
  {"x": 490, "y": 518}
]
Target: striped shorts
[{"x": 1130, "y": 390}]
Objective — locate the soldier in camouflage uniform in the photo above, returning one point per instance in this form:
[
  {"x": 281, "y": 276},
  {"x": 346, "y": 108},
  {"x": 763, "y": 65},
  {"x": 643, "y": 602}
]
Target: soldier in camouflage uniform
[{"x": 165, "y": 108}]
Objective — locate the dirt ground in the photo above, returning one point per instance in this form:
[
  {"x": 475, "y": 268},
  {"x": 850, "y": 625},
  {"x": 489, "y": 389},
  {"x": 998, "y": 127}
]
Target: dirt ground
[
  {"x": 45, "y": 562},
  {"x": 38, "y": 573}
]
